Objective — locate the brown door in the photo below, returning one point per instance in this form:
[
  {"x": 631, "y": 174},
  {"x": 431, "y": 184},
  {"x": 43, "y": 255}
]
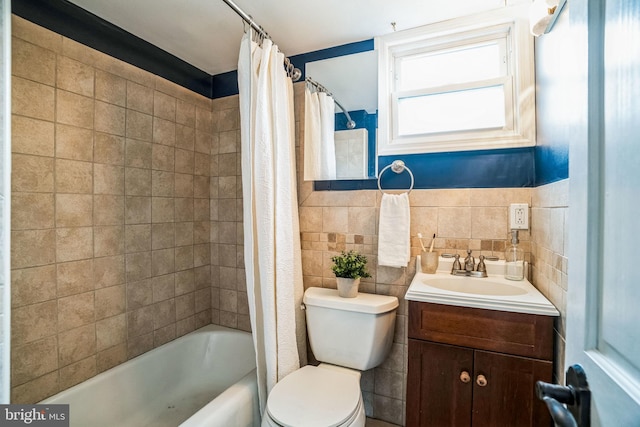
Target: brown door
[
  {"x": 504, "y": 390},
  {"x": 438, "y": 389}
]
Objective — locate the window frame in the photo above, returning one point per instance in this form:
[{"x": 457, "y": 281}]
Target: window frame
[{"x": 519, "y": 84}]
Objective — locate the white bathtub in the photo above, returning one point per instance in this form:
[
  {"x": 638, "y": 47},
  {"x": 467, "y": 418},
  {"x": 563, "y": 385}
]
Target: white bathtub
[{"x": 205, "y": 378}]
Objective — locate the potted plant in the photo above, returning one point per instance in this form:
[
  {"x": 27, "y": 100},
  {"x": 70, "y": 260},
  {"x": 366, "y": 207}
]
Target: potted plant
[{"x": 349, "y": 267}]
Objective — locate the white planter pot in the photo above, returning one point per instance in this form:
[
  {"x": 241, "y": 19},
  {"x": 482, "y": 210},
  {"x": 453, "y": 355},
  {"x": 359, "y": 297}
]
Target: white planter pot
[{"x": 348, "y": 288}]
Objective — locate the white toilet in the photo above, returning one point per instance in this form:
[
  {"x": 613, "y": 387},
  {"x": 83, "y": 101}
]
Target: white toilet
[{"x": 348, "y": 335}]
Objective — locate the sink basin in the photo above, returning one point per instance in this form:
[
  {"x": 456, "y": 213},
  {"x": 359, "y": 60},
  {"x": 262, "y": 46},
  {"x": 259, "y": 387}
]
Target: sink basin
[
  {"x": 476, "y": 286},
  {"x": 491, "y": 293}
]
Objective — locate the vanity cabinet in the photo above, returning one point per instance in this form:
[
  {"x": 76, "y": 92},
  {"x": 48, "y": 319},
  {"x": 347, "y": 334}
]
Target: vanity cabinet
[{"x": 476, "y": 367}]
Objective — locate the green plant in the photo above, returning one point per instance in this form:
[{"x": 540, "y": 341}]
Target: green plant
[{"x": 350, "y": 265}]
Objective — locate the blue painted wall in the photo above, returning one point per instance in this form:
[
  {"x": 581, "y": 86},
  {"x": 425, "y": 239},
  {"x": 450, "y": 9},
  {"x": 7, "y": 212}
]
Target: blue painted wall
[
  {"x": 461, "y": 169},
  {"x": 551, "y": 162},
  {"x": 464, "y": 169}
]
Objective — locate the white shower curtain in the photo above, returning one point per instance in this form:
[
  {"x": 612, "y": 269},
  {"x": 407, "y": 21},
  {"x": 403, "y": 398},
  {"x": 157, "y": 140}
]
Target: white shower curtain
[
  {"x": 319, "y": 141},
  {"x": 271, "y": 230}
]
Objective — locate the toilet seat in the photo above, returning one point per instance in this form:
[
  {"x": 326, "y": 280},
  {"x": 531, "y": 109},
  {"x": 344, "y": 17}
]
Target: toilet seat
[{"x": 315, "y": 396}]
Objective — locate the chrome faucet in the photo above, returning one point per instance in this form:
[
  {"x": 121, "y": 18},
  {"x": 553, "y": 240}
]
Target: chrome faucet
[
  {"x": 469, "y": 262},
  {"x": 469, "y": 269}
]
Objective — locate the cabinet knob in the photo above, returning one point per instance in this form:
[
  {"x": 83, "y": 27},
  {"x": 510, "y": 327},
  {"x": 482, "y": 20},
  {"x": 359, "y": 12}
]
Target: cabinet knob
[
  {"x": 465, "y": 377},
  {"x": 481, "y": 380}
]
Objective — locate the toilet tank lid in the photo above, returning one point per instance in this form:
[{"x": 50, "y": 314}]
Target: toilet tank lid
[{"x": 363, "y": 303}]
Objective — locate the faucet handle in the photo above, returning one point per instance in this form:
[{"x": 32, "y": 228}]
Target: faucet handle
[
  {"x": 481, "y": 265},
  {"x": 456, "y": 264}
]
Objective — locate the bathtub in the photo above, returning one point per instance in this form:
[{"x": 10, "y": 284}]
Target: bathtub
[{"x": 205, "y": 378}]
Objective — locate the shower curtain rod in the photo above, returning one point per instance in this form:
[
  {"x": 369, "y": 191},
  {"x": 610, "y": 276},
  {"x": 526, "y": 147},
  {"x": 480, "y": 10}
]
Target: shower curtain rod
[
  {"x": 247, "y": 18},
  {"x": 350, "y": 123},
  {"x": 293, "y": 72}
]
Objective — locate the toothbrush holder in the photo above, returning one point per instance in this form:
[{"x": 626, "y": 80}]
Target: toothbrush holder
[{"x": 429, "y": 262}]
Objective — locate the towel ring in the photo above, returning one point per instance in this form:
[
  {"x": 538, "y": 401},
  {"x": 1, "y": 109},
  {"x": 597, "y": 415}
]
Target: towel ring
[{"x": 397, "y": 166}]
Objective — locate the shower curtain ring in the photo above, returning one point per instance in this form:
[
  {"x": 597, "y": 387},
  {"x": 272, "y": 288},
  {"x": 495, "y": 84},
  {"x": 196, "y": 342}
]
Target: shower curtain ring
[{"x": 263, "y": 35}]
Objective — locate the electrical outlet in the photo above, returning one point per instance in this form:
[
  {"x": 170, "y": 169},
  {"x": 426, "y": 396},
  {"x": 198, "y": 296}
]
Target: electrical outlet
[{"x": 519, "y": 216}]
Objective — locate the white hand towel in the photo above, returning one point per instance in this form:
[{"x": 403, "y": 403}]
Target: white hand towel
[{"x": 394, "y": 236}]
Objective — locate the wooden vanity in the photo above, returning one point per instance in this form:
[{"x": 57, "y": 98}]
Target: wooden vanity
[{"x": 476, "y": 367}]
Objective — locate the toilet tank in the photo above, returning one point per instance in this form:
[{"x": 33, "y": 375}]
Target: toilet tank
[{"x": 355, "y": 332}]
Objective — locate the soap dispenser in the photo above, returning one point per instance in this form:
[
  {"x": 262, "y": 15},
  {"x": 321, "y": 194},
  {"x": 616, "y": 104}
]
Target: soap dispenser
[{"x": 514, "y": 258}]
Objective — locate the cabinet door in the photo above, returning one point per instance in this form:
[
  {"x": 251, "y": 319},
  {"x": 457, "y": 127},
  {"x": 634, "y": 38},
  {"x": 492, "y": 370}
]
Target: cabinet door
[
  {"x": 508, "y": 397},
  {"x": 436, "y": 394}
]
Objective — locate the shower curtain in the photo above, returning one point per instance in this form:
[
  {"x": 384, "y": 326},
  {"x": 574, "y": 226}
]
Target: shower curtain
[
  {"x": 271, "y": 230},
  {"x": 319, "y": 142}
]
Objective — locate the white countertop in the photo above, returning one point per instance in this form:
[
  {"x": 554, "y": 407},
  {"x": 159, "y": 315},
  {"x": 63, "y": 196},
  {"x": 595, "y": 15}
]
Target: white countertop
[{"x": 490, "y": 293}]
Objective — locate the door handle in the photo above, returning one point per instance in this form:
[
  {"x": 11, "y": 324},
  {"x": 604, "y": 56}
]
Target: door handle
[
  {"x": 465, "y": 377},
  {"x": 559, "y": 413},
  {"x": 481, "y": 380},
  {"x": 575, "y": 395}
]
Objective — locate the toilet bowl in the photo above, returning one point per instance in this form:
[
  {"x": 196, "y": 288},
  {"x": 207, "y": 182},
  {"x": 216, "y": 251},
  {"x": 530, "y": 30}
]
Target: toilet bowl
[
  {"x": 348, "y": 335},
  {"x": 316, "y": 396}
]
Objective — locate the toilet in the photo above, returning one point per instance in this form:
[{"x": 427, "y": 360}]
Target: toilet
[{"x": 347, "y": 335}]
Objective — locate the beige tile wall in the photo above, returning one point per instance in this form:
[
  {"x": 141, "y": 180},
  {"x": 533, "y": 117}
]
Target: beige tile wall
[
  {"x": 111, "y": 203},
  {"x": 230, "y": 306},
  {"x": 549, "y": 229},
  {"x": 465, "y": 218}
]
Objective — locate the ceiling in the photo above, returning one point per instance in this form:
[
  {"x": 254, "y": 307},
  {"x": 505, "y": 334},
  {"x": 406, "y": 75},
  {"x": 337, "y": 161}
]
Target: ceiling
[{"x": 206, "y": 33}]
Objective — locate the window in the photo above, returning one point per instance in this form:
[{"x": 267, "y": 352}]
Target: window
[{"x": 464, "y": 84}]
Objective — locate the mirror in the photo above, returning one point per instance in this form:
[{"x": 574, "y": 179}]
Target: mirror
[{"x": 353, "y": 81}]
